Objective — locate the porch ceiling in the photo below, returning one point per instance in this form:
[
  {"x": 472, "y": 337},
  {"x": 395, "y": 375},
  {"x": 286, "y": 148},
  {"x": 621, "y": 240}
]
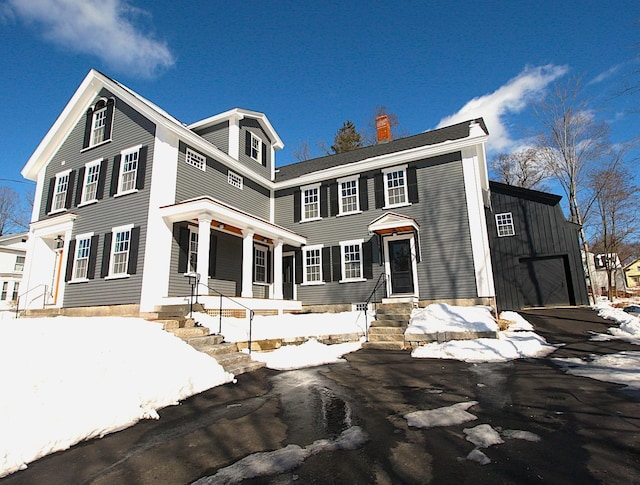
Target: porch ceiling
[{"x": 222, "y": 214}]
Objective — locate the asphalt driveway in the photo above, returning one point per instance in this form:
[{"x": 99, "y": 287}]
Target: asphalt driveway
[{"x": 588, "y": 430}]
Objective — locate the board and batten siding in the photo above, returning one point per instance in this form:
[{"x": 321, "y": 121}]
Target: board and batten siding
[
  {"x": 192, "y": 182},
  {"x": 129, "y": 129},
  {"x": 445, "y": 269},
  {"x": 217, "y": 135}
]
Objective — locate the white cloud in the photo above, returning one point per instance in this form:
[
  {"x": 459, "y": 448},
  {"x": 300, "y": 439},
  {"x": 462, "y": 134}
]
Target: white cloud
[
  {"x": 603, "y": 76},
  {"x": 108, "y": 29},
  {"x": 511, "y": 98}
]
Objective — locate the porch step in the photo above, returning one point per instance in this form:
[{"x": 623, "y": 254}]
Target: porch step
[
  {"x": 383, "y": 345},
  {"x": 189, "y": 332},
  {"x": 225, "y": 353},
  {"x": 385, "y": 338}
]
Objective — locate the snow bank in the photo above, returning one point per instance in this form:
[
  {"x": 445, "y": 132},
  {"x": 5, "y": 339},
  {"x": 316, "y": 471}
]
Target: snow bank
[{"x": 440, "y": 317}]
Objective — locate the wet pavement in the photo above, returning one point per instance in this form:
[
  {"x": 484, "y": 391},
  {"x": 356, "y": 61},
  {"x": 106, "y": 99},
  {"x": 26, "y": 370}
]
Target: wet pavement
[{"x": 588, "y": 429}]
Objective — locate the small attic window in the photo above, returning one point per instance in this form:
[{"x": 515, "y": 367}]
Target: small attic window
[
  {"x": 98, "y": 123},
  {"x": 256, "y": 148}
]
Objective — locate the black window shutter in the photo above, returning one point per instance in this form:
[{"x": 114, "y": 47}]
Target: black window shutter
[
  {"x": 363, "y": 193},
  {"x": 336, "y": 260},
  {"x": 412, "y": 184},
  {"x": 297, "y": 205},
  {"x": 71, "y": 183},
  {"x": 93, "y": 256},
  {"x": 333, "y": 198},
  {"x": 81, "y": 173},
  {"x": 326, "y": 264},
  {"x": 102, "y": 177},
  {"x": 115, "y": 175},
  {"x": 71, "y": 255},
  {"x": 299, "y": 267},
  {"x": 52, "y": 187},
  {"x": 367, "y": 259},
  {"x": 134, "y": 244},
  {"x": 324, "y": 202},
  {"x": 183, "y": 246},
  {"x": 213, "y": 252},
  {"x": 264, "y": 155},
  {"x": 106, "y": 254},
  {"x": 142, "y": 168},
  {"x": 378, "y": 187},
  {"x": 109, "y": 119},
  {"x": 87, "y": 128},
  {"x": 247, "y": 144}
]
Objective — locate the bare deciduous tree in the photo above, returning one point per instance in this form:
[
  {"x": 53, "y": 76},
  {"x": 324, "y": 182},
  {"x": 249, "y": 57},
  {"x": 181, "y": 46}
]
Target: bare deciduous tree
[
  {"x": 13, "y": 214},
  {"x": 302, "y": 152},
  {"x": 522, "y": 168}
]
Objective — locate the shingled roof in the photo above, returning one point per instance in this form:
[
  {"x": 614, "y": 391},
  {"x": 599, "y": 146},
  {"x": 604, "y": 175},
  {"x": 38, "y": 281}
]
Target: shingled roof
[{"x": 433, "y": 137}]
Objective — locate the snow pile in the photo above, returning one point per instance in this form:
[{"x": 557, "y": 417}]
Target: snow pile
[
  {"x": 620, "y": 368},
  {"x": 629, "y": 328},
  {"x": 445, "y": 416},
  {"x": 440, "y": 318},
  {"x": 309, "y": 354},
  {"x": 70, "y": 379},
  {"x": 518, "y": 323}
]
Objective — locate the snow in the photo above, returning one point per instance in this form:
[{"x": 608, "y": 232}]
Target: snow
[
  {"x": 445, "y": 416},
  {"x": 483, "y": 436},
  {"x": 309, "y": 354},
  {"x": 440, "y": 318}
]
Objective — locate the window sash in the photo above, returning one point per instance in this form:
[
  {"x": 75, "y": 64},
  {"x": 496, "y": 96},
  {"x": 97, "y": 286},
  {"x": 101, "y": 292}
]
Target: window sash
[
  {"x": 193, "y": 251},
  {"x": 5, "y": 288},
  {"x": 352, "y": 261},
  {"x": 256, "y": 148},
  {"x": 60, "y": 195},
  {"x": 19, "y": 266},
  {"x": 504, "y": 224},
  {"x": 260, "y": 265},
  {"x": 81, "y": 263},
  {"x": 92, "y": 175},
  {"x": 313, "y": 265},
  {"x": 311, "y": 203},
  {"x": 16, "y": 287},
  {"x": 98, "y": 126},
  {"x": 129, "y": 171},
  {"x": 120, "y": 252},
  {"x": 349, "y": 196},
  {"x": 396, "y": 187}
]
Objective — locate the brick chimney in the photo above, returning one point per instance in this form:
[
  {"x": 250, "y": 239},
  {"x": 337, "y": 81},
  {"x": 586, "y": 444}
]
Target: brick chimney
[{"x": 383, "y": 129}]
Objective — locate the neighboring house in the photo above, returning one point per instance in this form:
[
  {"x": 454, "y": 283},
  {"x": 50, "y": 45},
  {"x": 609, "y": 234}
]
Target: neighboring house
[
  {"x": 12, "y": 256},
  {"x": 534, "y": 249},
  {"x": 130, "y": 200},
  {"x": 632, "y": 275},
  {"x": 600, "y": 266}
]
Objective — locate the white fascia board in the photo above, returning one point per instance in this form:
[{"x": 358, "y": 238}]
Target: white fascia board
[
  {"x": 52, "y": 225},
  {"x": 387, "y": 160}
]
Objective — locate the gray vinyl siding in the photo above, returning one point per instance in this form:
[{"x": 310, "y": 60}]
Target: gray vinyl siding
[
  {"x": 252, "y": 125},
  {"x": 228, "y": 267},
  {"x": 129, "y": 129},
  {"x": 217, "y": 135},
  {"x": 446, "y": 266},
  {"x": 213, "y": 182}
]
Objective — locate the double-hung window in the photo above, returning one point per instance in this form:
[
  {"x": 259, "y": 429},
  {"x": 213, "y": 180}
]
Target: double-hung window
[
  {"x": 90, "y": 183},
  {"x": 16, "y": 288},
  {"x": 348, "y": 197},
  {"x": 311, "y": 202},
  {"x": 193, "y": 251},
  {"x": 260, "y": 264},
  {"x": 351, "y": 260},
  {"x": 19, "y": 266},
  {"x": 98, "y": 126},
  {"x": 256, "y": 148},
  {"x": 5, "y": 288},
  {"x": 128, "y": 170},
  {"x": 395, "y": 187},
  {"x": 81, "y": 262},
  {"x": 504, "y": 224},
  {"x": 312, "y": 261},
  {"x": 60, "y": 192},
  {"x": 120, "y": 247}
]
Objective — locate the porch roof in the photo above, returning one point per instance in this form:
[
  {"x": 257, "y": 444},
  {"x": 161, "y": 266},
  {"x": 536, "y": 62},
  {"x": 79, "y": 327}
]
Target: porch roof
[
  {"x": 391, "y": 222},
  {"x": 222, "y": 213}
]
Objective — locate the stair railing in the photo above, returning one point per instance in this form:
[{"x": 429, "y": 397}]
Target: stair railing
[
  {"x": 382, "y": 279},
  {"x": 234, "y": 300},
  {"x": 44, "y": 297}
]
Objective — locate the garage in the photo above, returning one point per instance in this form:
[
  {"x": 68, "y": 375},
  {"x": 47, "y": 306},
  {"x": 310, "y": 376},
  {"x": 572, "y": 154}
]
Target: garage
[{"x": 544, "y": 282}]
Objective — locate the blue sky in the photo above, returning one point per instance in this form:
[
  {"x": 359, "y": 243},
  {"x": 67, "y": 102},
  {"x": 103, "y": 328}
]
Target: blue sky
[{"x": 312, "y": 65}]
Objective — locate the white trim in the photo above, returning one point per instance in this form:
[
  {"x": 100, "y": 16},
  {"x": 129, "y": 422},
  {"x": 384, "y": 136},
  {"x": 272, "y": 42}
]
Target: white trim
[
  {"x": 258, "y": 150},
  {"x": 342, "y": 244},
  {"x": 87, "y": 166},
  {"x": 114, "y": 230},
  {"x": 385, "y": 172},
  {"x": 303, "y": 217},
  {"x": 123, "y": 154},
  {"x": 353, "y": 178},
  {"x": 80, "y": 237},
  {"x": 414, "y": 263},
  {"x": 305, "y": 250},
  {"x": 505, "y": 220}
]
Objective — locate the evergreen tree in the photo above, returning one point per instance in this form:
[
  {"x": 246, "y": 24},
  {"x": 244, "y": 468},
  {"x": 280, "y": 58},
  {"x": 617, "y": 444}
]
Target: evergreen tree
[{"x": 347, "y": 138}]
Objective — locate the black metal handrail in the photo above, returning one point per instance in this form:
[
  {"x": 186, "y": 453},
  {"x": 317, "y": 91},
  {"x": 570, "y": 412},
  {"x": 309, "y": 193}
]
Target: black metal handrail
[
  {"x": 234, "y": 300},
  {"x": 382, "y": 277},
  {"x": 44, "y": 299}
]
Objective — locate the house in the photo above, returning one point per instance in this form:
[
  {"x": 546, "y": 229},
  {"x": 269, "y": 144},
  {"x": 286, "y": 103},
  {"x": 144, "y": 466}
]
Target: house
[
  {"x": 12, "y": 257},
  {"x": 632, "y": 275},
  {"x": 600, "y": 266},
  {"x": 129, "y": 201},
  {"x": 534, "y": 250}
]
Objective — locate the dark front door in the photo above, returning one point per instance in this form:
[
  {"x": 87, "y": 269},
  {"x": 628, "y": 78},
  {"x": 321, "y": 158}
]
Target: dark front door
[
  {"x": 401, "y": 266},
  {"x": 287, "y": 277}
]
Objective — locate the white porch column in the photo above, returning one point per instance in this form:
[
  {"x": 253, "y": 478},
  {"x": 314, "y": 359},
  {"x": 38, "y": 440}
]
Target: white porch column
[
  {"x": 247, "y": 264},
  {"x": 204, "y": 235},
  {"x": 277, "y": 270}
]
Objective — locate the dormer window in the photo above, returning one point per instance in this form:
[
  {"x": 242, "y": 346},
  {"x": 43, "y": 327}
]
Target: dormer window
[
  {"x": 256, "y": 148},
  {"x": 98, "y": 125}
]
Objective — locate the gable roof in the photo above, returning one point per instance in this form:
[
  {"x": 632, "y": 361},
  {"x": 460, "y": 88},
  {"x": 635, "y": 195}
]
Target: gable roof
[
  {"x": 454, "y": 132},
  {"x": 522, "y": 193}
]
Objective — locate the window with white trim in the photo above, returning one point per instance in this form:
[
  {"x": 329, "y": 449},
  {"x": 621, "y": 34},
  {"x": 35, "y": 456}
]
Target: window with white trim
[
  {"x": 234, "y": 179},
  {"x": 260, "y": 264},
  {"x": 5, "y": 288},
  {"x": 256, "y": 148},
  {"x": 120, "y": 251},
  {"x": 98, "y": 126},
  {"x": 311, "y": 202},
  {"x": 16, "y": 288},
  {"x": 395, "y": 187},
  {"x": 90, "y": 183},
  {"x": 195, "y": 159},
  {"x": 504, "y": 224},
  {"x": 348, "y": 197},
  {"x": 19, "y": 266},
  {"x": 312, "y": 261},
  {"x": 81, "y": 257},
  {"x": 193, "y": 251},
  {"x": 128, "y": 170},
  {"x": 60, "y": 192},
  {"x": 351, "y": 252}
]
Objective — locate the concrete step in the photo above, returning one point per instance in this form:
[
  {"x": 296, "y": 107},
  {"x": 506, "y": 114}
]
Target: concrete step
[
  {"x": 384, "y": 345},
  {"x": 237, "y": 362},
  {"x": 173, "y": 323},
  {"x": 390, "y": 323},
  {"x": 219, "y": 350},
  {"x": 243, "y": 367},
  {"x": 189, "y": 332},
  {"x": 205, "y": 341}
]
